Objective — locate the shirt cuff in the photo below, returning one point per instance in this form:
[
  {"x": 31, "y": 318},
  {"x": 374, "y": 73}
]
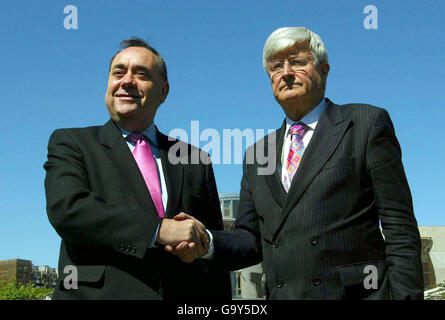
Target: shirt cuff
[
  {"x": 209, "y": 254},
  {"x": 153, "y": 243}
]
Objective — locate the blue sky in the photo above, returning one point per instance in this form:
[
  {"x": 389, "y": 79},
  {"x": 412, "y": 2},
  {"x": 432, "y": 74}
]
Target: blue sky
[{"x": 54, "y": 78}]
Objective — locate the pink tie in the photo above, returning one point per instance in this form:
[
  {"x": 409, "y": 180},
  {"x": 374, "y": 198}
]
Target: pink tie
[
  {"x": 144, "y": 158},
  {"x": 295, "y": 153}
]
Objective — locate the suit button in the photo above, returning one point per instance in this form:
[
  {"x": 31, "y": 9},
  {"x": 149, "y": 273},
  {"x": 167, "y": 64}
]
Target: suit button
[
  {"x": 276, "y": 244},
  {"x": 314, "y": 240},
  {"x": 316, "y": 282},
  {"x": 280, "y": 283}
]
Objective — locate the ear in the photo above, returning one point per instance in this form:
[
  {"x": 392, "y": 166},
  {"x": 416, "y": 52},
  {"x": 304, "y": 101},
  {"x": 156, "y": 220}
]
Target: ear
[
  {"x": 324, "y": 70},
  {"x": 164, "y": 91}
]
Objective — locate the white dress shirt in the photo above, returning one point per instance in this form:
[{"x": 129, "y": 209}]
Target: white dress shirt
[{"x": 310, "y": 120}]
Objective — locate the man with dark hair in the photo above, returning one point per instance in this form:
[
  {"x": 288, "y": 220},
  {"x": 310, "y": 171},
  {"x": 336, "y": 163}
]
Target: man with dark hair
[
  {"x": 136, "y": 42},
  {"x": 112, "y": 194}
]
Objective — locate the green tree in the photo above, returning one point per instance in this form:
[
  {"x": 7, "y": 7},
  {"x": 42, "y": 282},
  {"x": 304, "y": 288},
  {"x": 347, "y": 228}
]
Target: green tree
[{"x": 18, "y": 291}]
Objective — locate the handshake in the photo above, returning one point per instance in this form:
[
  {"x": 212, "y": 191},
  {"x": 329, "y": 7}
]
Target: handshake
[{"x": 184, "y": 236}]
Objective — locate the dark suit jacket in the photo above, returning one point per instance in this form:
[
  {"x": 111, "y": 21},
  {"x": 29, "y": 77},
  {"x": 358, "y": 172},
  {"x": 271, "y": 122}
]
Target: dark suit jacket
[
  {"x": 316, "y": 241},
  {"x": 98, "y": 203}
]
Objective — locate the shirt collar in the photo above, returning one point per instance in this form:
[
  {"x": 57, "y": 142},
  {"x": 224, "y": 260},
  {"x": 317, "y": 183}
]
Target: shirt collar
[
  {"x": 150, "y": 133},
  {"x": 310, "y": 119}
]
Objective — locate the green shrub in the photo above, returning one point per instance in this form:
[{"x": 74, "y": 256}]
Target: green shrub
[{"x": 18, "y": 291}]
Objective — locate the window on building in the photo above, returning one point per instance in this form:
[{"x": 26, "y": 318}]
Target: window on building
[
  {"x": 236, "y": 284},
  {"x": 235, "y": 204},
  {"x": 227, "y": 209}
]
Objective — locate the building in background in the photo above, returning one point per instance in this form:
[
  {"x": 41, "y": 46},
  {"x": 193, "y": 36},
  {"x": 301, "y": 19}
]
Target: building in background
[
  {"x": 16, "y": 269},
  {"x": 44, "y": 277},
  {"x": 248, "y": 283},
  {"x": 433, "y": 255},
  {"x": 24, "y": 272},
  {"x": 229, "y": 208}
]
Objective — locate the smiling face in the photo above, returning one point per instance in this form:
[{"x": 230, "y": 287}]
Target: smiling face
[
  {"x": 135, "y": 88},
  {"x": 298, "y": 86}
]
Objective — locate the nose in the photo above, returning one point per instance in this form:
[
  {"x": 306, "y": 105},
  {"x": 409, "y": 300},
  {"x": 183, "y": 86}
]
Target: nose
[
  {"x": 287, "y": 70},
  {"x": 288, "y": 73},
  {"x": 128, "y": 80}
]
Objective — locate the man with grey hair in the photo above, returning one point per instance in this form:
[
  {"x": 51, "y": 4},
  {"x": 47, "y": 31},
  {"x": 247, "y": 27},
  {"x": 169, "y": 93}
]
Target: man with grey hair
[{"x": 314, "y": 222}]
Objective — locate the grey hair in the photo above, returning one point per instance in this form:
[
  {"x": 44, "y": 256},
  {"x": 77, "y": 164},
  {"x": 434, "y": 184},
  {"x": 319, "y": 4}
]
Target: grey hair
[{"x": 284, "y": 38}]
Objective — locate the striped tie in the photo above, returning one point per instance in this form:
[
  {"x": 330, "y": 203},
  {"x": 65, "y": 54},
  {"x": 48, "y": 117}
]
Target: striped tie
[{"x": 296, "y": 151}]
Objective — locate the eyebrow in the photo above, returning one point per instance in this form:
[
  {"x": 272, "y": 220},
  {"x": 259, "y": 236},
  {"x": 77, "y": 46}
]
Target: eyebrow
[
  {"x": 137, "y": 67},
  {"x": 143, "y": 68},
  {"x": 118, "y": 66},
  {"x": 286, "y": 54}
]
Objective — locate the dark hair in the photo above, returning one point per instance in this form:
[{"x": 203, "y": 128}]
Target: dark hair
[{"x": 136, "y": 42}]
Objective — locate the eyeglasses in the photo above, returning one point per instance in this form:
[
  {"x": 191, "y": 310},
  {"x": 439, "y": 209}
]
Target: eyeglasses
[{"x": 277, "y": 66}]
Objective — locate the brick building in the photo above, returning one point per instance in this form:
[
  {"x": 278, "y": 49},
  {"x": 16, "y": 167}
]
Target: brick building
[{"x": 18, "y": 269}]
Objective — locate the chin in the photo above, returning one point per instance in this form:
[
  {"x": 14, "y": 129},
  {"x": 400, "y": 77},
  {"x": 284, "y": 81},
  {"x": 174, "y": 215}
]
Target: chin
[
  {"x": 291, "y": 94},
  {"x": 126, "y": 114},
  {"x": 289, "y": 99},
  {"x": 127, "y": 108}
]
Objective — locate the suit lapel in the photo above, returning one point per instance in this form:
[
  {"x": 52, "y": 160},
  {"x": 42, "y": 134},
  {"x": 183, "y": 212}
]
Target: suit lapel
[
  {"x": 328, "y": 134},
  {"x": 111, "y": 137},
  {"x": 274, "y": 180},
  {"x": 173, "y": 174}
]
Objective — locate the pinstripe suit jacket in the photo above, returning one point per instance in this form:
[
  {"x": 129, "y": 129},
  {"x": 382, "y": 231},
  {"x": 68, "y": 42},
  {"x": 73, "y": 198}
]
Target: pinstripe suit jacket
[{"x": 316, "y": 241}]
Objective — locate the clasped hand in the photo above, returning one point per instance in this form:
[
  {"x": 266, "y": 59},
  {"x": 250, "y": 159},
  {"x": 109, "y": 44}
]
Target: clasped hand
[{"x": 184, "y": 236}]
